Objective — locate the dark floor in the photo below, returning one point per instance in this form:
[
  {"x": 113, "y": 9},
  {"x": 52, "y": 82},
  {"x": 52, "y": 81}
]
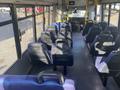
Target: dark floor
[{"x": 83, "y": 71}]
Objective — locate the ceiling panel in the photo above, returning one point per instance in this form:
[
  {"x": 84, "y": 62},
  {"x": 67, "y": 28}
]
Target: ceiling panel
[
  {"x": 42, "y": 2},
  {"x": 110, "y": 1}
]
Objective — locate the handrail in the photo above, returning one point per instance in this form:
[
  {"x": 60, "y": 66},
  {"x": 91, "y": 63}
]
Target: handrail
[{"x": 86, "y": 14}]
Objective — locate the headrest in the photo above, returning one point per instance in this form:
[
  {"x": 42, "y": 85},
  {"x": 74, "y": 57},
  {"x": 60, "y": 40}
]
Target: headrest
[
  {"x": 35, "y": 46},
  {"x": 45, "y": 37},
  {"x": 114, "y": 30},
  {"x": 90, "y": 21},
  {"x": 36, "y": 49},
  {"x": 51, "y": 28}
]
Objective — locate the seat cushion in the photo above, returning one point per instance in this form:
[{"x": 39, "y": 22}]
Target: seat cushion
[{"x": 28, "y": 83}]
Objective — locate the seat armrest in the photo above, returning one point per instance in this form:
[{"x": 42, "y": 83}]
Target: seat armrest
[
  {"x": 47, "y": 76},
  {"x": 69, "y": 85},
  {"x": 60, "y": 41}
]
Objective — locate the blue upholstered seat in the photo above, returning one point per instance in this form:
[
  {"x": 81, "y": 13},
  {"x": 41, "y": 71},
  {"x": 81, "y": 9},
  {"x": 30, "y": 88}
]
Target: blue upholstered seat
[{"x": 27, "y": 83}]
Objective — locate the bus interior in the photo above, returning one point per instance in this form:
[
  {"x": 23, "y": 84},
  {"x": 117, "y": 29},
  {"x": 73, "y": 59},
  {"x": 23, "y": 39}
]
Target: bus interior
[{"x": 59, "y": 45}]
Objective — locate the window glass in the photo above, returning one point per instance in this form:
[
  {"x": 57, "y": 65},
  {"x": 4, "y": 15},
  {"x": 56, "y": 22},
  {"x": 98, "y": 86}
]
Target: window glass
[
  {"x": 39, "y": 20},
  {"x": 98, "y": 18},
  {"x": 114, "y": 14},
  {"x": 20, "y": 12},
  {"x": 29, "y": 11},
  {"x": 39, "y": 25},
  {"x": 26, "y": 30},
  {"x": 8, "y": 55},
  {"x": 39, "y": 10},
  {"x": 5, "y": 14}
]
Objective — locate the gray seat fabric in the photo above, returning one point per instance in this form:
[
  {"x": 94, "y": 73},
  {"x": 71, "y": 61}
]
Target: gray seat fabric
[
  {"x": 27, "y": 82},
  {"x": 106, "y": 36},
  {"x": 37, "y": 53},
  {"x": 93, "y": 32},
  {"x": 44, "y": 81},
  {"x": 113, "y": 63},
  {"x": 103, "y": 25},
  {"x": 99, "y": 43},
  {"x": 114, "y": 31},
  {"x": 87, "y": 28}
]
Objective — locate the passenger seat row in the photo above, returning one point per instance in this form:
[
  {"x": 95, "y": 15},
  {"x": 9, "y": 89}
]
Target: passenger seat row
[
  {"x": 54, "y": 47},
  {"x": 44, "y": 81},
  {"x": 104, "y": 45}
]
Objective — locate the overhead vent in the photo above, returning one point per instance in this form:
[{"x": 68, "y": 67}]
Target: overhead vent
[{"x": 71, "y": 2}]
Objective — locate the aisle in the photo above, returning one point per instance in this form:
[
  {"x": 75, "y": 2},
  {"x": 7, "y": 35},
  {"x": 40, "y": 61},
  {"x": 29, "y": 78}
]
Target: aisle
[{"x": 83, "y": 71}]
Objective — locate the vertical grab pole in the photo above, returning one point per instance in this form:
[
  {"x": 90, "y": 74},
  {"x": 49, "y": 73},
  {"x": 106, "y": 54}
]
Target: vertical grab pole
[
  {"x": 102, "y": 13},
  {"x": 34, "y": 24},
  {"x": 95, "y": 13},
  {"x": 86, "y": 14},
  {"x": 96, "y": 3},
  {"x": 109, "y": 14},
  {"x": 25, "y": 12},
  {"x": 49, "y": 15},
  {"x": 16, "y": 30},
  {"x": 43, "y": 18},
  {"x": 119, "y": 21}
]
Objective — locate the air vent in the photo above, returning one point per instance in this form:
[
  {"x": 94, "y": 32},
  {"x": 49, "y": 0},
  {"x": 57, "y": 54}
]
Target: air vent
[{"x": 71, "y": 2}]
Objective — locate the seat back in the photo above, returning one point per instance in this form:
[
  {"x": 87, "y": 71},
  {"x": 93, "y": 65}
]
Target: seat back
[
  {"x": 53, "y": 37},
  {"x": 101, "y": 41},
  {"x": 103, "y": 25},
  {"x": 93, "y": 32},
  {"x": 114, "y": 31},
  {"x": 105, "y": 38},
  {"x": 36, "y": 52},
  {"x": 48, "y": 54},
  {"x": 86, "y": 28},
  {"x": 117, "y": 42},
  {"x": 45, "y": 38},
  {"x": 113, "y": 61}
]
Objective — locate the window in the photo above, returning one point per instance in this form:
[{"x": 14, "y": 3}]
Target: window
[
  {"x": 39, "y": 25},
  {"x": 8, "y": 55},
  {"x": 39, "y": 10},
  {"x": 98, "y": 17},
  {"x": 39, "y": 20},
  {"x": 20, "y": 12},
  {"x": 29, "y": 11},
  {"x": 26, "y": 30},
  {"x": 5, "y": 14},
  {"x": 114, "y": 14}
]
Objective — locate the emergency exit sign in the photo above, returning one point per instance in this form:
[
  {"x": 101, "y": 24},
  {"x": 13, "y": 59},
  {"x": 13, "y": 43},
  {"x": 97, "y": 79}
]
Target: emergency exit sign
[{"x": 71, "y": 2}]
